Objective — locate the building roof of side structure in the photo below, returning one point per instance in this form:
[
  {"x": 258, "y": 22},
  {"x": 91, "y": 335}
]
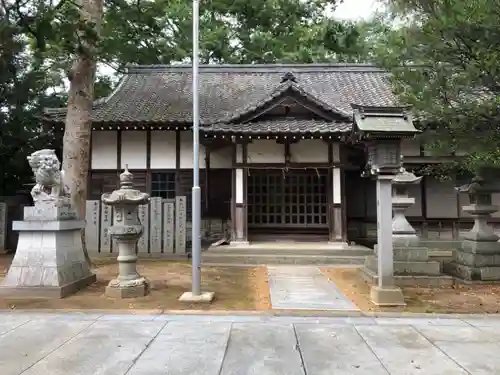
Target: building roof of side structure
[{"x": 162, "y": 95}]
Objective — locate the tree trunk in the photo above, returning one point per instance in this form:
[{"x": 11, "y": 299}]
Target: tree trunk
[{"x": 76, "y": 141}]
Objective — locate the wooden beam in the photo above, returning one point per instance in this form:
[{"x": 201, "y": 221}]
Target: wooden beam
[
  {"x": 330, "y": 187},
  {"x": 233, "y": 194},
  {"x": 245, "y": 187}
]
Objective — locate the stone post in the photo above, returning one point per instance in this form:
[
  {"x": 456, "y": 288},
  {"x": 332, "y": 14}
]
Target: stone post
[
  {"x": 478, "y": 259},
  {"x": 49, "y": 260},
  {"x": 383, "y": 164},
  {"x": 126, "y": 230},
  {"x": 411, "y": 264}
]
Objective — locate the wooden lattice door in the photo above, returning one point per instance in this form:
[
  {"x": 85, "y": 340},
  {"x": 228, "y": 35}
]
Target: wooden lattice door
[{"x": 294, "y": 199}]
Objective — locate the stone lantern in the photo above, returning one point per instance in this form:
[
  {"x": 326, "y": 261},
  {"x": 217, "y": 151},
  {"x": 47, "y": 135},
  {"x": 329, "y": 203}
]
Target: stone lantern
[
  {"x": 479, "y": 256},
  {"x": 381, "y": 129},
  {"x": 126, "y": 231},
  {"x": 403, "y": 234}
]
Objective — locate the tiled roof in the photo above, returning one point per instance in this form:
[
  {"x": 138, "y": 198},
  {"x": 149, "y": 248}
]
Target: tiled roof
[
  {"x": 163, "y": 94},
  {"x": 388, "y": 120},
  {"x": 282, "y": 125}
]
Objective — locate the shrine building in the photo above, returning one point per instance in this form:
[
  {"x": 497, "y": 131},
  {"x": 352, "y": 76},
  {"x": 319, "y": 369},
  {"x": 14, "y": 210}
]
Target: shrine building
[{"x": 282, "y": 147}]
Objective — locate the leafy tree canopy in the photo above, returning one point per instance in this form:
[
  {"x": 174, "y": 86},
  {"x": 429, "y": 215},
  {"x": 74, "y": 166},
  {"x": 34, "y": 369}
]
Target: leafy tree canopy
[
  {"x": 231, "y": 31},
  {"x": 444, "y": 58},
  {"x": 39, "y": 39}
]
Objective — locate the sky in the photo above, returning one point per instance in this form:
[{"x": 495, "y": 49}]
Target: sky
[{"x": 356, "y": 9}]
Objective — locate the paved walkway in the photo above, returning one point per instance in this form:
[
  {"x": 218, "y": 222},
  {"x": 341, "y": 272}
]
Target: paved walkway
[
  {"x": 92, "y": 344},
  {"x": 305, "y": 288}
]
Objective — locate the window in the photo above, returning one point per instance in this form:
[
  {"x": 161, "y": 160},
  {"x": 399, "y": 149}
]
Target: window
[
  {"x": 102, "y": 182},
  {"x": 163, "y": 185}
]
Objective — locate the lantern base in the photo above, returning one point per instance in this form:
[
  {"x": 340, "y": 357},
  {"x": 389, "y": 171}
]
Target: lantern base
[{"x": 127, "y": 288}]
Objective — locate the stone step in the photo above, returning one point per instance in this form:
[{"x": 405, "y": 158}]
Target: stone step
[
  {"x": 413, "y": 280},
  {"x": 258, "y": 259},
  {"x": 289, "y": 251},
  {"x": 432, "y": 268}
]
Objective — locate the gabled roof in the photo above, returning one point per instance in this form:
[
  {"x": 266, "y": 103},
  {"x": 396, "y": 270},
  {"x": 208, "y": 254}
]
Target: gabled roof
[{"x": 161, "y": 94}]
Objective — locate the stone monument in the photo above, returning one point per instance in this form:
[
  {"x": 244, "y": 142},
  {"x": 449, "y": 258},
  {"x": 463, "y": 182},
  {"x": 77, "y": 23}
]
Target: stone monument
[
  {"x": 478, "y": 258},
  {"x": 49, "y": 260},
  {"x": 126, "y": 230}
]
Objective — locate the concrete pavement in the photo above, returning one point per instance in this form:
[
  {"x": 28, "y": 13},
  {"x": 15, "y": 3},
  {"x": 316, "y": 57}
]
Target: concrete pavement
[{"x": 98, "y": 344}]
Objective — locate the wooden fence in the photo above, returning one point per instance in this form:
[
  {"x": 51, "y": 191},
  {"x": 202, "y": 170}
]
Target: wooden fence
[{"x": 166, "y": 227}]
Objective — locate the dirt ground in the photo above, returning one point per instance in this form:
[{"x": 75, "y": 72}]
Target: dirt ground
[
  {"x": 456, "y": 299},
  {"x": 247, "y": 289},
  {"x": 236, "y": 289}
]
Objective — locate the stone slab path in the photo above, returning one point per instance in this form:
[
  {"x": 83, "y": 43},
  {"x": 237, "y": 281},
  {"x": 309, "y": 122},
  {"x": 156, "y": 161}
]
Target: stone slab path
[
  {"x": 94, "y": 344},
  {"x": 304, "y": 288}
]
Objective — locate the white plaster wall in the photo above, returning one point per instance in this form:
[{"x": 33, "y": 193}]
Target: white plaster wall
[
  {"x": 162, "y": 150},
  {"x": 221, "y": 158},
  {"x": 187, "y": 152},
  {"x": 133, "y": 149},
  {"x": 410, "y": 147},
  {"x": 104, "y": 149},
  {"x": 266, "y": 151},
  {"x": 309, "y": 151}
]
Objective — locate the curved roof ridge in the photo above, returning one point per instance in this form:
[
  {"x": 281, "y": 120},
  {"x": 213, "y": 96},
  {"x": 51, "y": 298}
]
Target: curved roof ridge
[{"x": 254, "y": 68}]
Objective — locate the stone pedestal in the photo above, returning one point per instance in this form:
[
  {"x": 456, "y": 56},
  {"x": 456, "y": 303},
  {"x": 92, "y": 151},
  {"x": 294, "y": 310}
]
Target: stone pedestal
[
  {"x": 126, "y": 231},
  {"x": 49, "y": 260},
  {"x": 478, "y": 258},
  {"x": 128, "y": 284}
]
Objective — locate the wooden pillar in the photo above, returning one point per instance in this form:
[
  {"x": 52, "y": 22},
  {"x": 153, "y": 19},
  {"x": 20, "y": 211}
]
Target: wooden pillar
[
  {"x": 337, "y": 217},
  {"x": 178, "y": 191},
  {"x": 148, "y": 161},
  {"x": 239, "y": 235},
  {"x": 118, "y": 156}
]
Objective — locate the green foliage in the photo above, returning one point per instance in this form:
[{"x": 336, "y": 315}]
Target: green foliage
[
  {"x": 39, "y": 40},
  {"x": 259, "y": 31},
  {"x": 444, "y": 56},
  {"x": 23, "y": 85}
]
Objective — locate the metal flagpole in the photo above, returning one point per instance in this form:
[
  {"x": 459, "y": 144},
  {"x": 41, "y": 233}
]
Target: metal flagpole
[{"x": 196, "y": 201}]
